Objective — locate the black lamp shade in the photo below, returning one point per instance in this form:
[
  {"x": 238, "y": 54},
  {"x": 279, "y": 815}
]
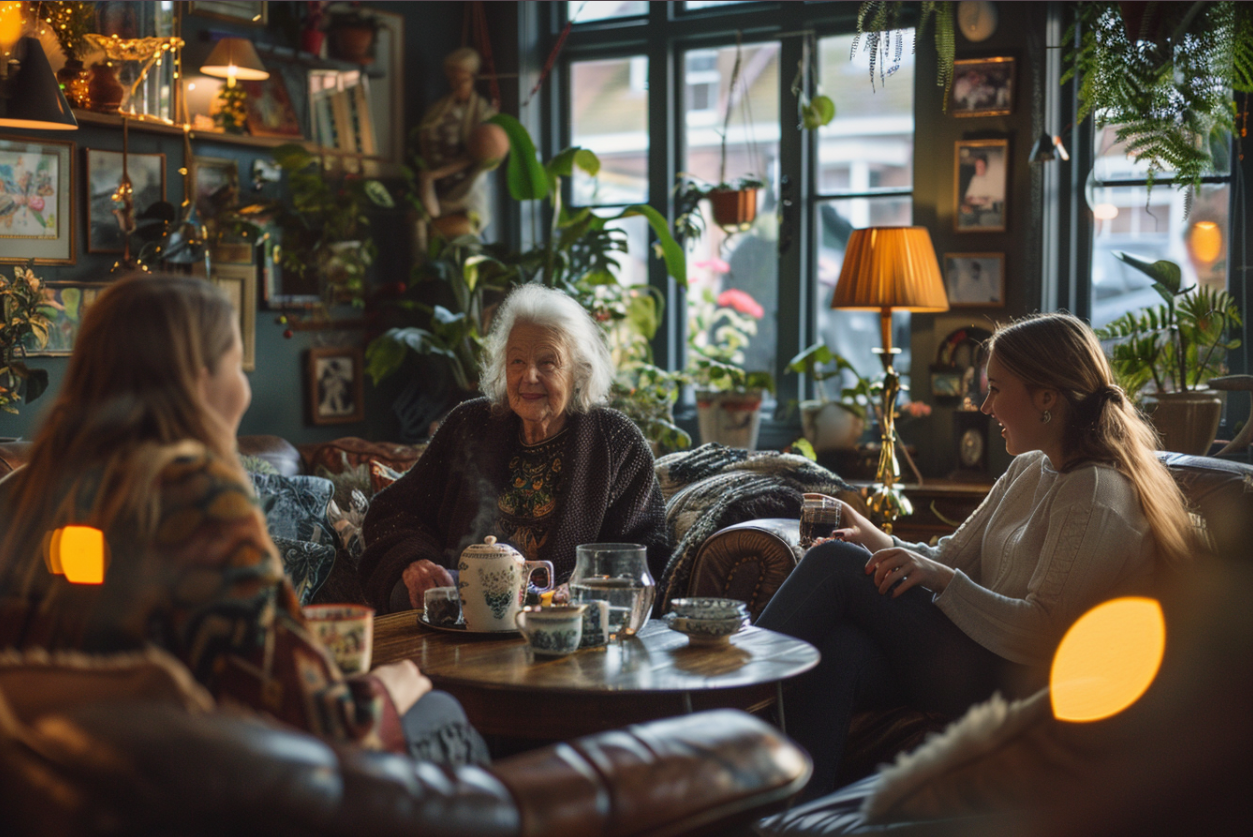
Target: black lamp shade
[
  {"x": 32, "y": 98},
  {"x": 1043, "y": 151}
]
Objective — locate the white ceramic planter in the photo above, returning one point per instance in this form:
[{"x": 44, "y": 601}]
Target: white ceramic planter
[
  {"x": 729, "y": 418},
  {"x": 829, "y": 426}
]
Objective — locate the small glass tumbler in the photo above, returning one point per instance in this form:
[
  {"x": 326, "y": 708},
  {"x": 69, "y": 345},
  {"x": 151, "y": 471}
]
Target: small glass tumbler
[{"x": 820, "y": 517}]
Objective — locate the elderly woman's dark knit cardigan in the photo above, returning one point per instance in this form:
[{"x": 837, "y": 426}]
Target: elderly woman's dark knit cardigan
[{"x": 448, "y": 500}]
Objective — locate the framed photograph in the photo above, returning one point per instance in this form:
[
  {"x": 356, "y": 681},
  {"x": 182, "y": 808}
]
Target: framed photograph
[
  {"x": 240, "y": 284},
  {"x": 74, "y": 298},
  {"x": 103, "y": 172},
  {"x": 255, "y": 14},
  {"x": 270, "y": 109},
  {"x": 975, "y": 280},
  {"x": 983, "y": 87},
  {"x": 336, "y": 394},
  {"x": 215, "y": 185},
  {"x": 36, "y": 183},
  {"x": 981, "y": 177}
]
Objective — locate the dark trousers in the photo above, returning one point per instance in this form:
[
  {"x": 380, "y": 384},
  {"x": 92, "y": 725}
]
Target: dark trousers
[
  {"x": 437, "y": 730},
  {"x": 877, "y": 651}
]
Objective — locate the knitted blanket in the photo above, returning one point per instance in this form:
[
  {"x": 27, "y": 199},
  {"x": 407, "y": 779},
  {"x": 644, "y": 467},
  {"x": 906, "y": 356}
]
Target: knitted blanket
[{"x": 711, "y": 487}]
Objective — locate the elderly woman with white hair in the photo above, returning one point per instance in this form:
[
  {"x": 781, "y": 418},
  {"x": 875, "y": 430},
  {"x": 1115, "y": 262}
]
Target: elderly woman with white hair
[{"x": 539, "y": 462}]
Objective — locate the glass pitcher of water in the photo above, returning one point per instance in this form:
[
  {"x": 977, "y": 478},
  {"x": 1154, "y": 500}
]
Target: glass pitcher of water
[{"x": 616, "y": 573}]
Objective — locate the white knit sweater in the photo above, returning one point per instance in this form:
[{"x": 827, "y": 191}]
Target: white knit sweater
[{"x": 1041, "y": 549}]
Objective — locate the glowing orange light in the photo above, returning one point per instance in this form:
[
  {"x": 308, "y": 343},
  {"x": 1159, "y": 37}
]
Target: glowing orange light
[
  {"x": 1105, "y": 212},
  {"x": 1206, "y": 240},
  {"x": 10, "y": 25},
  {"x": 1107, "y": 659},
  {"x": 79, "y": 553}
]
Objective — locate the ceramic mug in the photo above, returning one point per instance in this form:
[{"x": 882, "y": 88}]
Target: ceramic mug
[
  {"x": 552, "y": 631},
  {"x": 347, "y": 631},
  {"x": 595, "y": 624}
]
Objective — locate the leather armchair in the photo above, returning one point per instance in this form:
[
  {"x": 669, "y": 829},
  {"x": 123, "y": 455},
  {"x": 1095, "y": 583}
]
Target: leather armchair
[{"x": 96, "y": 748}]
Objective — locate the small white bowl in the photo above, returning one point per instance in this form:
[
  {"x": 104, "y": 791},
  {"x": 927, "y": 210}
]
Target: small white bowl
[
  {"x": 705, "y": 607},
  {"x": 705, "y": 631}
]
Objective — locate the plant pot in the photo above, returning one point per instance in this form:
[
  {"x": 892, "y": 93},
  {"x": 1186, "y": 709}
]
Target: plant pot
[
  {"x": 733, "y": 208},
  {"x": 352, "y": 42},
  {"x": 104, "y": 91},
  {"x": 311, "y": 41},
  {"x": 1186, "y": 421},
  {"x": 729, "y": 418},
  {"x": 830, "y": 426}
]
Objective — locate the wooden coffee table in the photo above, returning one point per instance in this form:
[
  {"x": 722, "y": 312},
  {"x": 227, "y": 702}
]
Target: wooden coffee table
[{"x": 508, "y": 691}]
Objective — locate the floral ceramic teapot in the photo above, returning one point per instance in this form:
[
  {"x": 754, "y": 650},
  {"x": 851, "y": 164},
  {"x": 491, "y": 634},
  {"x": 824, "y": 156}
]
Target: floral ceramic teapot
[{"x": 492, "y": 584}]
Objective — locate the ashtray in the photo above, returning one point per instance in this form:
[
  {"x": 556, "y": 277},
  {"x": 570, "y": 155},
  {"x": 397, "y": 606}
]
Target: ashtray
[
  {"x": 706, "y": 631},
  {"x": 708, "y": 607}
]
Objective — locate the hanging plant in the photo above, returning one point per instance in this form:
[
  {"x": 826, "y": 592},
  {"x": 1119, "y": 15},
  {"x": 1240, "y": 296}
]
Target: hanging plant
[
  {"x": 820, "y": 110},
  {"x": 880, "y": 22},
  {"x": 1164, "y": 75}
]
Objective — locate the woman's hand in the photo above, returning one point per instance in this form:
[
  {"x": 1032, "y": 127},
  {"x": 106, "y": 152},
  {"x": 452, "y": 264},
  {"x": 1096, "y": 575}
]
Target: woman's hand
[
  {"x": 909, "y": 568},
  {"x": 854, "y": 527},
  {"x": 421, "y": 576},
  {"x": 404, "y": 683}
]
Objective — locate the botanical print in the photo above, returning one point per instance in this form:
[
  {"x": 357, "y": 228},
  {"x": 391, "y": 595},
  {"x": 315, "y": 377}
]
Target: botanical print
[
  {"x": 28, "y": 195},
  {"x": 65, "y": 304}
]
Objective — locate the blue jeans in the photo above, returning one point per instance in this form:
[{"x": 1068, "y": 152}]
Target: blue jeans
[
  {"x": 437, "y": 730},
  {"x": 877, "y": 651}
]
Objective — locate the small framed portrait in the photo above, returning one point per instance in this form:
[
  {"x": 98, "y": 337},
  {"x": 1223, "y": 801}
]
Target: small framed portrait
[
  {"x": 981, "y": 177},
  {"x": 975, "y": 280},
  {"x": 270, "y": 109},
  {"x": 74, "y": 298},
  {"x": 239, "y": 282},
  {"x": 36, "y": 182},
  {"x": 235, "y": 11},
  {"x": 983, "y": 87},
  {"x": 336, "y": 391},
  {"x": 103, "y": 174},
  {"x": 215, "y": 185}
]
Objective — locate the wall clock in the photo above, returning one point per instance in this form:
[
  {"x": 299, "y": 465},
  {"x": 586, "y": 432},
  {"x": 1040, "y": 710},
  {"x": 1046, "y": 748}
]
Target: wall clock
[
  {"x": 976, "y": 19},
  {"x": 971, "y": 429}
]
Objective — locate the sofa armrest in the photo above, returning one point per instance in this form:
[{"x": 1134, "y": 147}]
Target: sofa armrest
[{"x": 748, "y": 561}]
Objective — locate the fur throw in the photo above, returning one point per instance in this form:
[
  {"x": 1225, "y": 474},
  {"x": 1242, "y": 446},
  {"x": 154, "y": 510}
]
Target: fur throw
[{"x": 711, "y": 487}]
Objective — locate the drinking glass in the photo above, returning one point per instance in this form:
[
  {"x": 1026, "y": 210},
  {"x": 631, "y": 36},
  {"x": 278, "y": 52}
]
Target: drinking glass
[
  {"x": 820, "y": 517},
  {"x": 615, "y": 573}
]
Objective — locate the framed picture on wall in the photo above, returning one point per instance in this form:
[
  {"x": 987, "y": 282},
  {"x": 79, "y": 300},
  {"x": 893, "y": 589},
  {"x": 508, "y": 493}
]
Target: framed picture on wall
[
  {"x": 980, "y": 179},
  {"x": 103, "y": 172},
  {"x": 215, "y": 185},
  {"x": 336, "y": 392},
  {"x": 975, "y": 280},
  {"x": 270, "y": 109},
  {"x": 983, "y": 87},
  {"x": 240, "y": 284},
  {"x": 36, "y": 182},
  {"x": 236, "y": 11},
  {"x": 74, "y": 298}
]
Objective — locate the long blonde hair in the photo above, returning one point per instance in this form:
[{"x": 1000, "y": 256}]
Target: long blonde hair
[
  {"x": 1060, "y": 352},
  {"x": 130, "y": 395}
]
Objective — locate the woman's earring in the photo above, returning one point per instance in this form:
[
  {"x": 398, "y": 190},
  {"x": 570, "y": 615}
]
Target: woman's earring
[{"x": 1046, "y": 417}]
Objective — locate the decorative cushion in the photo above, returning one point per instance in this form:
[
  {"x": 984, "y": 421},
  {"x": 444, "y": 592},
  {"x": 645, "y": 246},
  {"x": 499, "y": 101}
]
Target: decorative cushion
[
  {"x": 382, "y": 475},
  {"x": 346, "y": 481},
  {"x": 351, "y": 452},
  {"x": 256, "y": 465},
  {"x": 295, "y": 507},
  {"x": 307, "y": 565}
]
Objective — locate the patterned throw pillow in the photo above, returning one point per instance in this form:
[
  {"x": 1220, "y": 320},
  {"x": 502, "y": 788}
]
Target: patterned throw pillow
[
  {"x": 295, "y": 507},
  {"x": 346, "y": 481},
  {"x": 381, "y": 475},
  {"x": 257, "y": 465},
  {"x": 307, "y": 565}
]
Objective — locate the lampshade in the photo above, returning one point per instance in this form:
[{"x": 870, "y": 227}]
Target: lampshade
[
  {"x": 890, "y": 267},
  {"x": 31, "y": 97},
  {"x": 234, "y": 58}
]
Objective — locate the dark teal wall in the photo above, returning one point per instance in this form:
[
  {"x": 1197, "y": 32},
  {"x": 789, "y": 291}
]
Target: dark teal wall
[{"x": 279, "y": 393}]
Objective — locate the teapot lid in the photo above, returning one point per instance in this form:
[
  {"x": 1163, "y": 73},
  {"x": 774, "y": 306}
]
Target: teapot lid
[{"x": 490, "y": 547}]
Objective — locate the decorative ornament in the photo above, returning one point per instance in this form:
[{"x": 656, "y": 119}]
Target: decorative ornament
[{"x": 230, "y": 109}]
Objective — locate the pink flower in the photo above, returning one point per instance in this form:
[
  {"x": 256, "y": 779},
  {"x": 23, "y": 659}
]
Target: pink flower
[
  {"x": 742, "y": 302},
  {"x": 715, "y": 264},
  {"x": 916, "y": 409}
]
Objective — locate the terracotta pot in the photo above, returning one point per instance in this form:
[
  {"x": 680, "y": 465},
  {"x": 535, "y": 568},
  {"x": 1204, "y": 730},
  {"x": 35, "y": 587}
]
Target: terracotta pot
[
  {"x": 104, "y": 90},
  {"x": 729, "y": 418},
  {"x": 352, "y": 43},
  {"x": 1186, "y": 421},
  {"x": 829, "y": 426},
  {"x": 311, "y": 41},
  {"x": 735, "y": 208}
]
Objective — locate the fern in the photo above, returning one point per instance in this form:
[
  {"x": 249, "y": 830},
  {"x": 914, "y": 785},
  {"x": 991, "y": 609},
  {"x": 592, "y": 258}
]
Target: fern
[{"x": 880, "y": 22}]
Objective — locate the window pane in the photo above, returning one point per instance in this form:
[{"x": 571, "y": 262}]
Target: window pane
[
  {"x": 1113, "y": 163},
  {"x": 870, "y": 142},
  {"x": 633, "y": 264},
  {"x": 609, "y": 115},
  {"x": 1125, "y": 220},
  {"x": 696, "y": 5},
  {"x": 726, "y": 259},
  {"x": 854, "y": 334},
  {"x": 585, "y": 12}
]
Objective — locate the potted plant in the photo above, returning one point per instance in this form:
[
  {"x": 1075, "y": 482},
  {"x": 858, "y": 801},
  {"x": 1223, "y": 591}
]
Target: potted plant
[
  {"x": 25, "y": 305},
  {"x": 1176, "y": 347},
  {"x": 732, "y": 205},
  {"x": 828, "y": 424},
  {"x": 728, "y": 397},
  {"x": 353, "y": 33}
]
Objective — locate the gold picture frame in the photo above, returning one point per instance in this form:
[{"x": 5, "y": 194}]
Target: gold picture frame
[{"x": 36, "y": 175}]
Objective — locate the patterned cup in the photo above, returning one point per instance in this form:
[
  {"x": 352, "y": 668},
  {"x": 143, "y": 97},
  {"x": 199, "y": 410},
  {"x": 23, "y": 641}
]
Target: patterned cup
[
  {"x": 595, "y": 624},
  {"x": 552, "y": 631},
  {"x": 347, "y": 631}
]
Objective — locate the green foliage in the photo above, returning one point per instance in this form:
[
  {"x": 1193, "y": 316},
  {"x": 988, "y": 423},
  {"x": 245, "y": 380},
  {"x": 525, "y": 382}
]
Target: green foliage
[
  {"x": 690, "y": 190},
  {"x": 25, "y": 311},
  {"x": 1170, "y": 96},
  {"x": 1175, "y": 346},
  {"x": 69, "y": 21},
  {"x": 802, "y": 447},
  {"x": 232, "y": 109},
  {"x": 812, "y": 361},
  {"x": 880, "y": 21}
]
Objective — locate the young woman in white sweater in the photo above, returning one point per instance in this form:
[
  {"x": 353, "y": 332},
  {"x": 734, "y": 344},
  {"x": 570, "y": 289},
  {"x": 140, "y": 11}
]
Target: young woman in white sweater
[{"x": 1086, "y": 512}]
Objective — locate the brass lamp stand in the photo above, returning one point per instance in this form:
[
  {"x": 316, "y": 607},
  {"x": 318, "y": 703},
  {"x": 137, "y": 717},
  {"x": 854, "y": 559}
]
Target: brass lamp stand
[{"x": 888, "y": 268}]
